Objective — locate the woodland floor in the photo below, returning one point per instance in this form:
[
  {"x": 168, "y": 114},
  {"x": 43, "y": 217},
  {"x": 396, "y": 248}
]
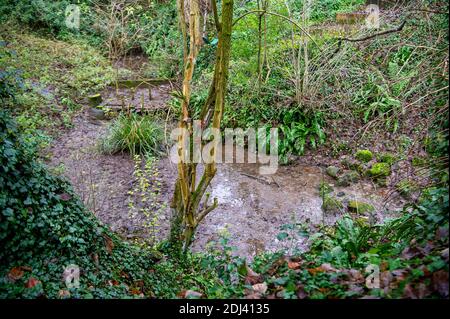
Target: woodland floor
[{"x": 252, "y": 208}]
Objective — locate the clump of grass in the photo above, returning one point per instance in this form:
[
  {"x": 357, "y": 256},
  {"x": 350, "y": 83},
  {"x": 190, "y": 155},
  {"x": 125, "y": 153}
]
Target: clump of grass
[{"x": 135, "y": 134}]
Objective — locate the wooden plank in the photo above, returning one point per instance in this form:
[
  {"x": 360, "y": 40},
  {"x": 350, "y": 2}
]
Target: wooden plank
[{"x": 141, "y": 83}]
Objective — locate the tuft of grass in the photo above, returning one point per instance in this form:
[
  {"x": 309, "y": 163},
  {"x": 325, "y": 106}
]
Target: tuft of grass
[{"x": 134, "y": 134}]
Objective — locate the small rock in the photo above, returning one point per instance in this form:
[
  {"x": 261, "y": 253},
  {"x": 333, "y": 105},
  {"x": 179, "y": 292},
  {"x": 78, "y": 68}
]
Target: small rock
[
  {"x": 340, "y": 194},
  {"x": 96, "y": 114},
  {"x": 95, "y": 100},
  {"x": 332, "y": 171},
  {"x": 280, "y": 294}
]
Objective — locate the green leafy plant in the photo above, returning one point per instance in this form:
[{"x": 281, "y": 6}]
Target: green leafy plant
[
  {"x": 144, "y": 202},
  {"x": 299, "y": 130},
  {"x": 135, "y": 134}
]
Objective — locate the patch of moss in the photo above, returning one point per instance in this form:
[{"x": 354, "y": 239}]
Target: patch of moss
[
  {"x": 380, "y": 170},
  {"x": 387, "y": 158},
  {"x": 332, "y": 205},
  {"x": 364, "y": 155},
  {"x": 355, "y": 206}
]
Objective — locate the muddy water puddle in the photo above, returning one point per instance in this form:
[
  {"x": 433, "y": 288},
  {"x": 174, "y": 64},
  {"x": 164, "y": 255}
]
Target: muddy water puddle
[{"x": 252, "y": 207}]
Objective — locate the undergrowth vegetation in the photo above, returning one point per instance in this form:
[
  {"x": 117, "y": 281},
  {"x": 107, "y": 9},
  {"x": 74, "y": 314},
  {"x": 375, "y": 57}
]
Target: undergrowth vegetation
[
  {"x": 46, "y": 80},
  {"x": 381, "y": 100}
]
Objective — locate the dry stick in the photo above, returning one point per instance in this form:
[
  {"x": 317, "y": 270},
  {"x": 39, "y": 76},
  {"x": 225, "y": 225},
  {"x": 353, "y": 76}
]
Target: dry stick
[
  {"x": 430, "y": 11},
  {"x": 398, "y": 29},
  {"x": 259, "y": 179}
]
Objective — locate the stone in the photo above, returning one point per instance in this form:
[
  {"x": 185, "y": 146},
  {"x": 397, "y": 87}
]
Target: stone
[
  {"x": 192, "y": 294},
  {"x": 333, "y": 171},
  {"x": 340, "y": 194},
  {"x": 97, "y": 114},
  {"x": 355, "y": 206},
  {"x": 95, "y": 100},
  {"x": 348, "y": 178},
  {"x": 364, "y": 155},
  {"x": 387, "y": 158}
]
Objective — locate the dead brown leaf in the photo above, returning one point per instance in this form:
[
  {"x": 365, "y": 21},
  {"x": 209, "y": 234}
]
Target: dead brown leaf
[
  {"x": 252, "y": 277},
  {"x": 253, "y": 296},
  {"x": 64, "y": 293},
  {"x": 418, "y": 292},
  {"x": 65, "y": 197},
  {"x": 294, "y": 265},
  {"x": 135, "y": 291},
  {"x": 109, "y": 244},
  {"x": 32, "y": 282},
  {"x": 314, "y": 271},
  {"x": 15, "y": 274},
  {"x": 276, "y": 264}
]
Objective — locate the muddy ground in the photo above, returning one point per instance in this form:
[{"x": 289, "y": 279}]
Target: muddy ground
[{"x": 252, "y": 207}]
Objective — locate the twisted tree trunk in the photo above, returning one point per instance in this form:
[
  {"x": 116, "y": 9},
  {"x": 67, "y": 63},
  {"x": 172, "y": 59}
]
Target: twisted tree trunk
[{"x": 186, "y": 205}]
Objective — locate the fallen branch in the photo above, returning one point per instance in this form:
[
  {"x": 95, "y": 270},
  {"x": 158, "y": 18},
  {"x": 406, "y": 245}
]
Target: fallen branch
[
  {"x": 262, "y": 180},
  {"x": 398, "y": 29}
]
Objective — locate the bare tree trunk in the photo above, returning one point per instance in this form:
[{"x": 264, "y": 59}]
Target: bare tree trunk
[{"x": 188, "y": 194}]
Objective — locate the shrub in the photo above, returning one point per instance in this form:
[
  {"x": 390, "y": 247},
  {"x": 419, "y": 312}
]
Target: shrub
[{"x": 134, "y": 134}]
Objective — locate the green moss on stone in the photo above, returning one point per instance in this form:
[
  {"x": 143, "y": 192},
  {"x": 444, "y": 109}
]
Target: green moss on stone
[
  {"x": 387, "y": 158},
  {"x": 364, "y": 155},
  {"x": 380, "y": 170}
]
